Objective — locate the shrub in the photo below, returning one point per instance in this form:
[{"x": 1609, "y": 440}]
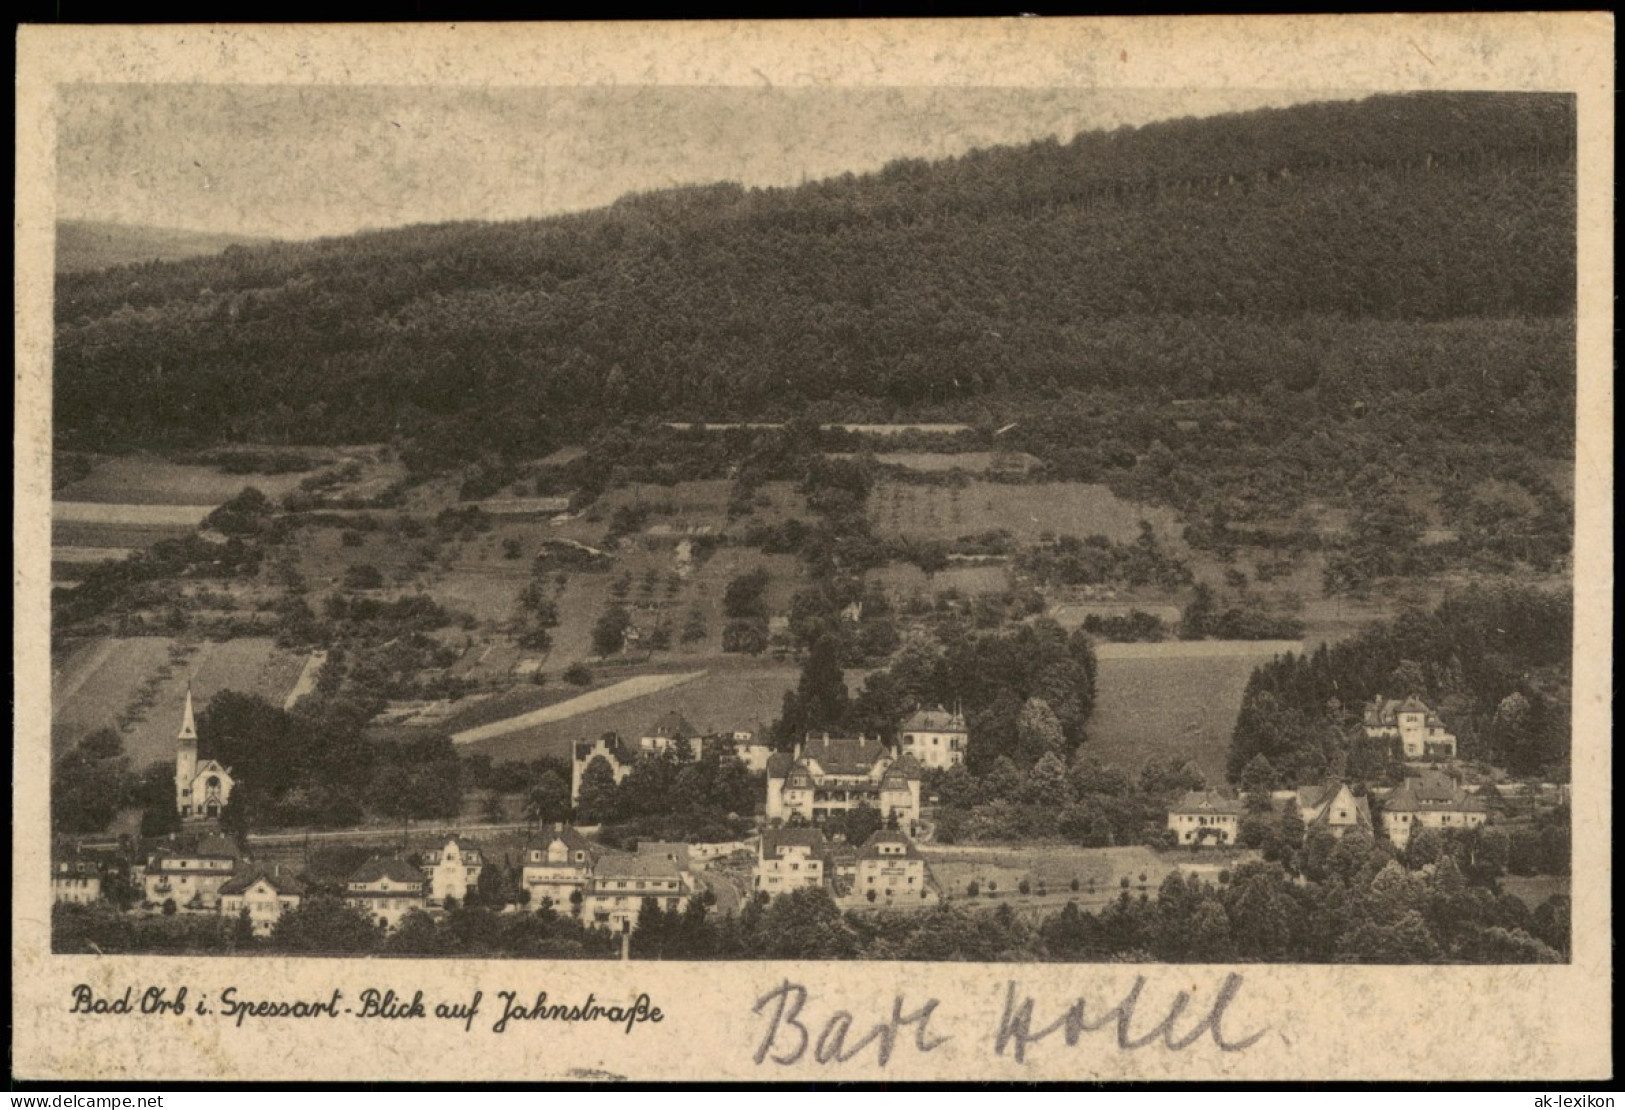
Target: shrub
[
  {"x": 973, "y": 888},
  {"x": 1025, "y": 887},
  {"x": 578, "y": 674}
]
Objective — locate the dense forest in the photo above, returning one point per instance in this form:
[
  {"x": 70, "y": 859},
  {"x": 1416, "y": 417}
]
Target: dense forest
[{"x": 1402, "y": 258}]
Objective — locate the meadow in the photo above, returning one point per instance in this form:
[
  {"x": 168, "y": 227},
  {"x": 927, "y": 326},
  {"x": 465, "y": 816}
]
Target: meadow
[
  {"x": 1176, "y": 699},
  {"x": 148, "y": 480},
  {"x": 1099, "y": 872},
  {"x": 1026, "y": 511},
  {"x": 747, "y": 695},
  {"x": 141, "y": 683}
]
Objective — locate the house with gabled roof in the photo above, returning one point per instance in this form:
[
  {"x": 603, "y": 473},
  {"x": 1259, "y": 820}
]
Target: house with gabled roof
[
  {"x": 1334, "y": 807},
  {"x": 557, "y": 866},
  {"x": 791, "y": 859},
  {"x": 663, "y": 735},
  {"x": 1206, "y": 815},
  {"x": 1411, "y": 727},
  {"x": 620, "y": 882},
  {"x": 451, "y": 871},
  {"x": 266, "y": 893},
  {"x": 936, "y": 737},
  {"x": 75, "y": 877},
  {"x": 190, "y": 871},
  {"x": 828, "y": 775},
  {"x": 386, "y": 889},
  {"x": 891, "y": 871},
  {"x": 1433, "y": 800},
  {"x": 617, "y": 756}
]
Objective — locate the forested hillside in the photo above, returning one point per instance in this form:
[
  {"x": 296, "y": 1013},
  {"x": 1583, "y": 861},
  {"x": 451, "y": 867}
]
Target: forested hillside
[{"x": 1407, "y": 257}]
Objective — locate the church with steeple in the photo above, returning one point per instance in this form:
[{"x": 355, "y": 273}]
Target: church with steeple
[{"x": 201, "y": 788}]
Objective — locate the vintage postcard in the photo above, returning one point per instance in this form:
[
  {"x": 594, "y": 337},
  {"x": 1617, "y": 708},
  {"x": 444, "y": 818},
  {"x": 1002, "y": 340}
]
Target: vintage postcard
[{"x": 1003, "y": 550}]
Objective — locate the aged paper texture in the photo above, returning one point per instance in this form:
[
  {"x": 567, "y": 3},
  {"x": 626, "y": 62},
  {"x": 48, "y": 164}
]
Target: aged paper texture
[{"x": 765, "y": 1019}]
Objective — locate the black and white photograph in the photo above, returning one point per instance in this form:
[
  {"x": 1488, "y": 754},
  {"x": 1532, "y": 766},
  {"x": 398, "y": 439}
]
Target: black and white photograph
[{"x": 1056, "y": 525}]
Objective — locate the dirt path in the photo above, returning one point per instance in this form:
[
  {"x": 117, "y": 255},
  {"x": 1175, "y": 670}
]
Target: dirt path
[{"x": 598, "y": 699}]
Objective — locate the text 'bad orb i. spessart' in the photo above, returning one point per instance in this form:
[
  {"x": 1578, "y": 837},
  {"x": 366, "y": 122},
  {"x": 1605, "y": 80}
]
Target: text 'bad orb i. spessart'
[{"x": 508, "y": 1008}]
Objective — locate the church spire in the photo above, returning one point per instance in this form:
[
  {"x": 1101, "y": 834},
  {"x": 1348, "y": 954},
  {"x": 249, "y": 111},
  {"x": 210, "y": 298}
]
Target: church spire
[{"x": 188, "y": 725}]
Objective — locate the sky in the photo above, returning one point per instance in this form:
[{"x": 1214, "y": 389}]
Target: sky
[{"x": 299, "y": 162}]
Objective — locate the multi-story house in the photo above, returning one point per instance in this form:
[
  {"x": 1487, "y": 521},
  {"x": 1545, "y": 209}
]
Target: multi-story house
[
  {"x": 891, "y": 871},
  {"x": 1430, "y": 801},
  {"x": 936, "y": 737},
  {"x": 664, "y": 735},
  {"x": 622, "y": 880},
  {"x": 1335, "y": 808},
  {"x": 386, "y": 889},
  {"x": 451, "y": 871},
  {"x": 792, "y": 859},
  {"x": 1410, "y": 727},
  {"x": 265, "y": 894},
  {"x": 831, "y": 774},
  {"x": 191, "y": 874},
  {"x": 202, "y": 788},
  {"x": 1205, "y": 815},
  {"x": 608, "y": 747},
  {"x": 557, "y": 867},
  {"x": 75, "y": 878}
]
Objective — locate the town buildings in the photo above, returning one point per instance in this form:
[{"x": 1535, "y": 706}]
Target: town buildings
[
  {"x": 1204, "y": 816},
  {"x": 557, "y": 866},
  {"x": 265, "y": 894},
  {"x": 620, "y": 882},
  {"x": 191, "y": 874},
  {"x": 936, "y": 737},
  {"x": 1414, "y": 729},
  {"x": 792, "y": 859},
  {"x": 202, "y": 788},
  {"x": 75, "y": 878},
  {"x": 832, "y": 774},
  {"x": 1430, "y": 801},
  {"x": 892, "y": 871},
  {"x": 386, "y": 889},
  {"x": 1335, "y": 808},
  {"x": 451, "y": 871}
]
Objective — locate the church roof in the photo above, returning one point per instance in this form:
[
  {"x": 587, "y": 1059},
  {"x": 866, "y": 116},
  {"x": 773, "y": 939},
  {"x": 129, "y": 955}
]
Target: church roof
[{"x": 188, "y": 722}]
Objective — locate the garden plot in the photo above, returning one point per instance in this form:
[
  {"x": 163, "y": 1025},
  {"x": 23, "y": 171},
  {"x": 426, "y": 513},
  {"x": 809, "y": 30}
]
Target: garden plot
[{"x": 1026, "y": 511}]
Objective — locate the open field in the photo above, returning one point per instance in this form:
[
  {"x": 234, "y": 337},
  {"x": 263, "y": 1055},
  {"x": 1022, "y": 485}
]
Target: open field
[
  {"x": 106, "y": 679},
  {"x": 146, "y": 480},
  {"x": 940, "y": 462},
  {"x": 748, "y": 695},
  {"x": 1176, "y": 699},
  {"x": 1026, "y": 511},
  {"x": 67, "y": 535},
  {"x": 904, "y": 580},
  {"x": 99, "y": 512},
  {"x": 641, "y": 686},
  {"x": 1532, "y": 890},
  {"x": 1099, "y": 872}
]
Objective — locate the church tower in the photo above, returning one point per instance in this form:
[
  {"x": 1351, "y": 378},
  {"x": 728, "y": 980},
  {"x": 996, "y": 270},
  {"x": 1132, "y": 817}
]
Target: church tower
[{"x": 185, "y": 759}]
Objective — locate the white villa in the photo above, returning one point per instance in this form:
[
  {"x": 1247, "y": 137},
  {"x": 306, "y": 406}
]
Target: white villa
[
  {"x": 1418, "y": 730},
  {"x": 1203, "y": 815},
  {"x": 936, "y": 737},
  {"x": 832, "y": 774}
]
